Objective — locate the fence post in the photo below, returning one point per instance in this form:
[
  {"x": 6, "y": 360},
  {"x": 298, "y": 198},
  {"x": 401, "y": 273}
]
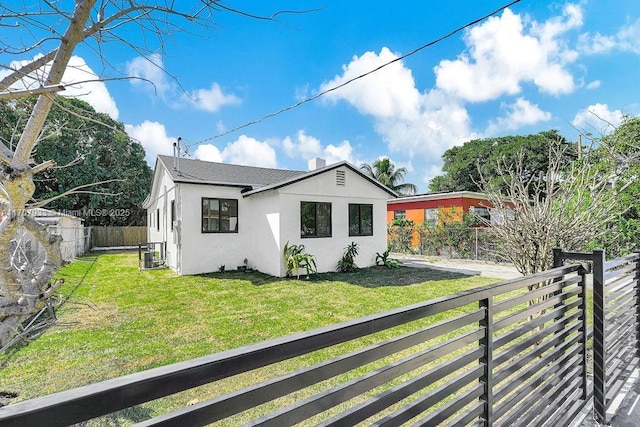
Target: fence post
[
  {"x": 558, "y": 261},
  {"x": 585, "y": 333},
  {"x": 476, "y": 229},
  {"x": 487, "y": 359},
  {"x": 599, "y": 327}
]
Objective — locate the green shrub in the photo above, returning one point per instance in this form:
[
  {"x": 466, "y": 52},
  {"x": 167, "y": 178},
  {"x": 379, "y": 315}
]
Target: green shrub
[
  {"x": 385, "y": 260},
  {"x": 347, "y": 263},
  {"x": 400, "y": 236},
  {"x": 295, "y": 258}
]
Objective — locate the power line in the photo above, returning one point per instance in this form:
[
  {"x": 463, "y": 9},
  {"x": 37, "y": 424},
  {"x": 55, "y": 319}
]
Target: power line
[{"x": 318, "y": 95}]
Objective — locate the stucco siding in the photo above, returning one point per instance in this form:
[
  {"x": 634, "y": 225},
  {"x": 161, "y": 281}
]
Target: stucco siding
[
  {"x": 266, "y": 222},
  {"x": 207, "y": 252},
  {"x": 263, "y": 241},
  {"x": 323, "y": 188}
]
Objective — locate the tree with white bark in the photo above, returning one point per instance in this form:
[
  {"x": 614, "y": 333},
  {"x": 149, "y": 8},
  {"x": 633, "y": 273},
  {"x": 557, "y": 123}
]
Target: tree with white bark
[
  {"x": 47, "y": 33},
  {"x": 569, "y": 206}
]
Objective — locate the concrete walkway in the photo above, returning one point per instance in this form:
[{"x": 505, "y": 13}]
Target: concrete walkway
[{"x": 461, "y": 266}]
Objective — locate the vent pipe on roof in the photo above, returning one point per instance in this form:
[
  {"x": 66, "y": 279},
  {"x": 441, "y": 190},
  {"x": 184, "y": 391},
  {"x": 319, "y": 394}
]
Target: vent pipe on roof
[
  {"x": 317, "y": 163},
  {"x": 175, "y": 166},
  {"x": 176, "y": 155}
]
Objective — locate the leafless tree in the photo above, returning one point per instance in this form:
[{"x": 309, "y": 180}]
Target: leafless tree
[
  {"x": 48, "y": 33},
  {"x": 567, "y": 207}
]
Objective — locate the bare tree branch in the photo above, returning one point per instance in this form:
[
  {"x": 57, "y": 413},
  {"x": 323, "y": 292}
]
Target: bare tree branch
[{"x": 76, "y": 190}]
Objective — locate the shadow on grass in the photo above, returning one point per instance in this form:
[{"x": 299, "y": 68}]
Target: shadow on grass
[
  {"x": 370, "y": 277},
  {"x": 378, "y": 276}
]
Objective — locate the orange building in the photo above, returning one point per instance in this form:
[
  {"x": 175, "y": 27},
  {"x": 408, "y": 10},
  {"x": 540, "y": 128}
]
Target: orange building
[
  {"x": 426, "y": 207},
  {"x": 433, "y": 208}
]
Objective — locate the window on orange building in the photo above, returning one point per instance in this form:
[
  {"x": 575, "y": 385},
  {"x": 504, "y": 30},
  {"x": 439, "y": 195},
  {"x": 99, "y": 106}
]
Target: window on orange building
[
  {"x": 399, "y": 214},
  {"x": 431, "y": 216},
  {"x": 482, "y": 214}
]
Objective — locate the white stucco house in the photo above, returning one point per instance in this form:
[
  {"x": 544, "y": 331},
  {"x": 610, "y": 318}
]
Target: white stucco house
[{"x": 213, "y": 214}]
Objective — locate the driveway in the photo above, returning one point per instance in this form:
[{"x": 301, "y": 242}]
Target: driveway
[{"x": 462, "y": 266}]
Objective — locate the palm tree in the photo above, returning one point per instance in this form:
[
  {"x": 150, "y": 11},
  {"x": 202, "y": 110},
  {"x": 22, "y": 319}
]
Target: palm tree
[{"x": 386, "y": 173}]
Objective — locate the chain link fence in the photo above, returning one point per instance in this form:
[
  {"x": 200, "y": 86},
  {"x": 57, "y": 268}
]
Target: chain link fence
[{"x": 451, "y": 242}]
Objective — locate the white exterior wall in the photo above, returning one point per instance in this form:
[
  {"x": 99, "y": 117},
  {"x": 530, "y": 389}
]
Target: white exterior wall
[
  {"x": 72, "y": 233},
  {"x": 206, "y": 252},
  {"x": 166, "y": 191},
  {"x": 264, "y": 232},
  {"x": 266, "y": 221},
  {"x": 323, "y": 188}
]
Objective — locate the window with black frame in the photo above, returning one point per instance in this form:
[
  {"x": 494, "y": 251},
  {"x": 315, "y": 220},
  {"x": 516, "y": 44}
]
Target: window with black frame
[
  {"x": 360, "y": 220},
  {"x": 219, "y": 215},
  {"x": 315, "y": 219}
]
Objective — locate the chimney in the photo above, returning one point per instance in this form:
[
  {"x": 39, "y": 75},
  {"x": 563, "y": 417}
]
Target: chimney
[{"x": 317, "y": 163}]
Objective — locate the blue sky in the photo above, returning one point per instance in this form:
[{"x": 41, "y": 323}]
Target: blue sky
[{"x": 536, "y": 66}]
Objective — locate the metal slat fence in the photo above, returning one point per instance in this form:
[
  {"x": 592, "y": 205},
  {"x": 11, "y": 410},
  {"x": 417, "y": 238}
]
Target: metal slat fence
[
  {"x": 506, "y": 354},
  {"x": 616, "y": 324}
]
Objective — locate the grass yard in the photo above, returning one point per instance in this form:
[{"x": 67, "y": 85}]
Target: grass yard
[{"x": 119, "y": 320}]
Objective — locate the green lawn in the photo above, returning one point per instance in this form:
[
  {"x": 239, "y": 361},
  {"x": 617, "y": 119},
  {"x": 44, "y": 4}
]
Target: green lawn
[{"x": 120, "y": 320}]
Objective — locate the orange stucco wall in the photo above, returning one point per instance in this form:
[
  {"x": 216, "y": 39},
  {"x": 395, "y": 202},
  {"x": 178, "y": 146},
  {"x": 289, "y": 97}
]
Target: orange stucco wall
[{"x": 446, "y": 205}]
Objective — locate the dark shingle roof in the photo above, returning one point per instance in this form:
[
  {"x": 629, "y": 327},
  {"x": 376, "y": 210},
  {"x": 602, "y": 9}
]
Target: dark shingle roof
[
  {"x": 201, "y": 172},
  {"x": 253, "y": 179}
]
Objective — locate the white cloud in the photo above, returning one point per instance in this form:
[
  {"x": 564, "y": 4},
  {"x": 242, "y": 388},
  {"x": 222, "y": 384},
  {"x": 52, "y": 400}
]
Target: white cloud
[
  {"x": 76, "y": 81},
  {"x": 520, "y": 113},
  {"x": 593, "y": 85},
  {"x": 303, "y": 147},
  {"x": 307, "y": 147},
  {"x": 251, "y": 152},
  {"x": 597, "y": 119},
  {"x": 148, "y": 73},
  {"x": 431, "y": 172},
  {"x": 208, "y": 152},
  {"x": 504, "y": 53},
  {"x": 211, "y": 99},
  {"x": 409, "y": 121},
  {"x": 95, "y": 92},
  {"x": 243, "y": 151},
  {"x": 627, "y": 39},
  {"x": 153, "y": 137},
  {"x": 337, "y": 153}
]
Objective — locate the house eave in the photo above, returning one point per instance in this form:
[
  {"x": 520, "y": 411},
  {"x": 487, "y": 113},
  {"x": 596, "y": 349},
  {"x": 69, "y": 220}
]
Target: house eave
[{"x": 318, "y": 172}]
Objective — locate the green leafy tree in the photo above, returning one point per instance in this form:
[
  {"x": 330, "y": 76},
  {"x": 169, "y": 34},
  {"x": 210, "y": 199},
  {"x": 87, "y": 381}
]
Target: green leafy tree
[
  {"x": 387, "y": 174},
  {"x": 618, "y": 153},
  {"x": 87, "y": 147},
  {"x": 464, "y": 165}
]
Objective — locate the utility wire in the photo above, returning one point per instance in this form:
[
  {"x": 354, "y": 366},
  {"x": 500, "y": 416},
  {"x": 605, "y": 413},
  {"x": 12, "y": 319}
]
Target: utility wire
[{"x": 319, "y": 94}]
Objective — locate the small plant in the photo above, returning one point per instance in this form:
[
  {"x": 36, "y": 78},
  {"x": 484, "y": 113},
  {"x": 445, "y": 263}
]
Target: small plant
[
  {"x": 385, "y": 260},
  {"x": 295, "y": 259},
  {"x": 221, "y": 269},
  {"x": 347, "y": 263}
]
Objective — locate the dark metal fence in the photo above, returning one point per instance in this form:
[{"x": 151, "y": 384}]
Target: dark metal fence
[
  {"x": 508, "y": 354},
  {"x": 616, "y": 324}
]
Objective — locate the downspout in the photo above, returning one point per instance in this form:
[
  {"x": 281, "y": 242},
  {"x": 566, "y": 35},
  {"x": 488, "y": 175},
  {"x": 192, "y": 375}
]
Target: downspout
[
  {"x": 164, "y": 216},
  {"x": 178, "y": 229}
]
